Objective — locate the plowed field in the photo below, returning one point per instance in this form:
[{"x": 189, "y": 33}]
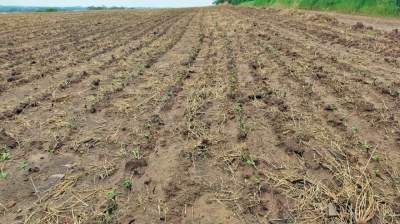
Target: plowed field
[{"x": 208, "y": 115}]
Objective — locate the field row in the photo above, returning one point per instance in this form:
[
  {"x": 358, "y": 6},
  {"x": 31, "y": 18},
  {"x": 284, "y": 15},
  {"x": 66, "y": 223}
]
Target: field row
[{"x": 209, "y": 115}]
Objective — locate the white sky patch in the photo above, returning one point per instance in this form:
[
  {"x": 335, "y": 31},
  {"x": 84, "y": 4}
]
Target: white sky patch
[{"x": 125, "y": 3}]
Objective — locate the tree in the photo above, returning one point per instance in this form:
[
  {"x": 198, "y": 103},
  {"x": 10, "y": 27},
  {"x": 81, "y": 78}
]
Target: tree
[
  {"x": 217, "y": 2},
  {"x": 233, "y": 2}
]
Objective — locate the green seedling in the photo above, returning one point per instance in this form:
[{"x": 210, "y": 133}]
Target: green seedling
[
  {"x": 167, "y": 96},
  {"x": 141, "y": 70},
  {"x": 23, "y": 165},
  {"x": 127, "y": 184},
  {"x": 243, "y": 157},
  {"x": 233, "y": 80},
  {"x": 72, "y": 124},
  {"x": 147, "y": 135},
  {"x": 310, "y": 88},
  {"x": 250, "y": 162},
  {"x": 4, "y": 156},
  {"x": 136, "y": 153},
  {"x": 111, "y": 194},
  {"x": 365, "y": 146},
  {"x": 376, "y": 173},
  {"x": 375, "y": 157},
  {"x": 3, "y": 175},
  {"x": 51, "y": 150},
  {"x": 67, "y": 83},
  {"x": 247, "y": 160},
  {"x": 355, "y": 130},
  {"x": 238, "y": 108},
  {"x": 147, "y": 125},
  {"x": 258, "y": 182}
]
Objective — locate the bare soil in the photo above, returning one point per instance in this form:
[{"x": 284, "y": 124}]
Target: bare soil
[{"x": 208, "y": 115}]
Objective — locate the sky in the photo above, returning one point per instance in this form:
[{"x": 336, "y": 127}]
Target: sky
[{"x": 126, "y": 3}]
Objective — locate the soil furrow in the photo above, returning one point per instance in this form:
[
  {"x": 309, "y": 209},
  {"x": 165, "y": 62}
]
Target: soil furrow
[
  {"x": 199, "y": 115},
  {"x": 70, "y": 59},
  {"x": 68, "y": 80},
  {"x": 287, "y": 122}
]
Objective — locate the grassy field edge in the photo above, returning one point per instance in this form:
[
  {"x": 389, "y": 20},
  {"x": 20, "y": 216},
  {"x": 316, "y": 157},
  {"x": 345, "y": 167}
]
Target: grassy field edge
[{"x": 364, "y": 7}]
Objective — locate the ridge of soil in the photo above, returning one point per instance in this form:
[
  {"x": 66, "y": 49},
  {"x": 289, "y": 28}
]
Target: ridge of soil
[{"x": 206, "y": 115}]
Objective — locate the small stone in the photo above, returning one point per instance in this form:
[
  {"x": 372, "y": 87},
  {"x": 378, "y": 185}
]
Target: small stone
[
  {"x": 19, "y": 217},
  {"x": 7, "y": 140},
  {"x": 330, "y": 107},
  {"x": 96, "y": 82},
  {"x": 367, "y": 106},
  {"x": 34, "y": 169},
  {"x": 11, "y": 204},
  {"x": 11, "y": 79},
  {"x": 358, "y": 26},
  {"x": 242, "y": 135},
  {"x": 292, "y": 146},
  {"x": 332, "y": 211},
  {"x": 135, "y": 164},
  {"x": 69, "y": 166},
  {"x": 147, "y": 181},
  {"x": 56, "y": 177},
  {"x": 92, "y": 110}
]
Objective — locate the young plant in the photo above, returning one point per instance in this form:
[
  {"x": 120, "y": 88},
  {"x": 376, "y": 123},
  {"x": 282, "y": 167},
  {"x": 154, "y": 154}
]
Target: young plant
[
  {"x": 127, "y": 184},
  {"x": 375, "y": 157},
  {"x": 238, "y": 108},
  {"x": 365, "y": 146},
  {"x": 136, "y": 153},
  {"x": 141, "y": 70},
  {"x": 258, "y": 183},
  {"x": 247, "y": 160},
  {"x": 250, "y": 162},
  {"x": 167, "y": 96},
  {"x": 355, "y": 130},
  {"x": 112, "y": 195},
  {"x": 3, "y": 175},
  {"x": 4, "y": 156},
  {"x": 147, "y": 125},
  {"x": 23, "y": 165},
  {"x": 310, "y": 88},
  {"x": 233, "y": 80},
  {"x": 376, "y": 173},
  {"x": 240, "y": 120},
  {"x": 72, "y": 124},
  {"x": 66, "y": 83}
]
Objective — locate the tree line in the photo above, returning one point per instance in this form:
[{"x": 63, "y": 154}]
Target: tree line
[{"x": 233, "y": 2}]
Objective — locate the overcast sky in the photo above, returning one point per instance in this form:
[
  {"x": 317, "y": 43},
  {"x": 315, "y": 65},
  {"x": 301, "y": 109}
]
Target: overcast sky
[{"x": 126, "y": 3}]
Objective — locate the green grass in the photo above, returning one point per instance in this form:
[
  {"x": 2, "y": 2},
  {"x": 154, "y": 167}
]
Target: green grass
[
  {"x": 249, "y": 3},
  {"x": 368, "y": 7}
]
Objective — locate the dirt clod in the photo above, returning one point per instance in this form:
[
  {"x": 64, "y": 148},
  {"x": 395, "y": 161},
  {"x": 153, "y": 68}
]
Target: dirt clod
[
  {"x": 7, "y": 140},
  {"x": 330, "y": 107},
  {"x": 358, "y": 26},
  {"x": 332, "y": 211},
  {"x": 133, "y": 166},
  {"x": 292, "y": 146},
  {"x": 201, "y": 115},
  {"x": 96, "y": 82}
]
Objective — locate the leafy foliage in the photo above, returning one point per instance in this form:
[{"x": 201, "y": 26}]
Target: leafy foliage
[
  {"x": 233, "y": 2},
  {"x": 370, "y": 7}
]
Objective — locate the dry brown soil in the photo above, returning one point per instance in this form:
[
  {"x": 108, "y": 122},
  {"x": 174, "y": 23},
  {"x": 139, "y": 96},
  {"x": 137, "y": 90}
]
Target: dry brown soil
[{"x": 209, "y": 115}]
